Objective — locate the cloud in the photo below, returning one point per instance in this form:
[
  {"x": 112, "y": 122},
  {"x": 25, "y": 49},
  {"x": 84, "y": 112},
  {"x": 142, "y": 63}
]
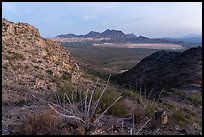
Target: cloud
[{"x": 88, "y": 18}]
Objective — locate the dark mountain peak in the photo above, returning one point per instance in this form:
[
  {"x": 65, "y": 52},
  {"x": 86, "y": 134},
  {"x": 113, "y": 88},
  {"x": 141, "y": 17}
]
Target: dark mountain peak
[
  {"x": 67, "y": 35},
  {"x": 112, "y": 31},
  {"x": 143, "y": 37},
  {"x": 132, "y": 35},
  {"x": 92, "y": 34},
  {"x": 113, "y": 34},
  {"x": 194, "y": 50},
  {"x": 107, "y": 30}
]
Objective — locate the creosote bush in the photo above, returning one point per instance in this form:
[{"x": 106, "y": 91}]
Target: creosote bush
[
  {"x": 15, "y": 56},
  {"x": 181, "y": 118},
  {"x": 45, "y": 123},
  {"x": 108, "y": 98}
]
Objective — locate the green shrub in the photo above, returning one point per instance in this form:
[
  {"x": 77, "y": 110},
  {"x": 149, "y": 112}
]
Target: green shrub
[
  {"x": 170, "y": 106},
  {"x": 150, "y": 109},
  {"x": 66, "y": 88},
  {"x": 36, "y": 66},
  {"x": 106, "y": 100},
  {"x": 15, "y": 56},
  {"x": 195, "y": 98},
  {"x": 66, "y": 76},
  {"x": 179, "y": 115},
  {"x": 49, "y": 72},
  {"x": 182, "y": 119},
  {"x": 130, "y": 94}
]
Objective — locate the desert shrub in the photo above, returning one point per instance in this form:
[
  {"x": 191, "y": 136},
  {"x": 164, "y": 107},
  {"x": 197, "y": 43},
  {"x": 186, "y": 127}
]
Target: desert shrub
[
  {"x": 154, "y": 123},
  {"x": 36, "y": 66},
  {"x": 139, "y": 114},
  {"x": 66, "y": 88},
  {"x": 26, "y": 66},
  {"x": 49, "y": 53},
  {"x": 195, "y": 98},
  {"x": 66, "y": 76},
  {"x": 118, "y": 109},
  {"x": 130, "y": 94},
  {"x": 55, "y": 78},
  {"x": 107, "y": 99},
  {"x": 150, "y": 109},
  {"x": 44, "y": 123},
  {"x": 170, "y": 106},
  {"x": 49, "y": 72},
  {"x": 179, "y": 115},
  {"x": 20, "y": 102},
  {"x": 180, "y": 118},
  {"x": 15, "y": 56}
]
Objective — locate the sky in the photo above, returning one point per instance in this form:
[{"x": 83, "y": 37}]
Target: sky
[{"x": 151, "y": 19}]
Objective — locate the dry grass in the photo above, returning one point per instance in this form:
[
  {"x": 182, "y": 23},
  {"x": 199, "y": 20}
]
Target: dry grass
[{"x": 45, "y": 123}]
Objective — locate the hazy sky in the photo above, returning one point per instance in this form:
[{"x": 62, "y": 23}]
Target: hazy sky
[{"x": 157, "y": 19}]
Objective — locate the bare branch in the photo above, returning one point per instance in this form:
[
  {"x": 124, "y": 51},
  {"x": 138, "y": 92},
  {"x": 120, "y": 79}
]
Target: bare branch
[
  {"x": 122, "y": 127},
  {"x": 130, "y": 131},
  {"x": 150, "y": 93},
  {"x": 156, "y": 131},
  {"x": 74, "y": 117},
  {"x": 86, "y": 101},
  {"x": 159, "y": 96},
  {"x": 133, "y": 124},
  {"x": 92, "y": 97},
  {"x": 72, "y": 96},
  {"x": 67, "y": 98},
  {"x": 96, "y": 104},
  {"x": 143, "y": 126},
  {"x": 140, "y": 93},
  {"x": 145, "y": 90},
  {"x": 53, "y": 104}
]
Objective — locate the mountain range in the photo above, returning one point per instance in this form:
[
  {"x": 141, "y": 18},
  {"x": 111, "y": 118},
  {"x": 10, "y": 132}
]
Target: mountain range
[{"x": 117, "y": 36}]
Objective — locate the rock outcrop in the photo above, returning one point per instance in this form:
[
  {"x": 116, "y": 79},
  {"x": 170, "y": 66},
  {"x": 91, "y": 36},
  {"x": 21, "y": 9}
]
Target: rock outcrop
[{"x": 32, "y": 63}]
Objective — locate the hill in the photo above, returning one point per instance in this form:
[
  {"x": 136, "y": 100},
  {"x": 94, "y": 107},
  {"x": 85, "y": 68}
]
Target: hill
[
  {"x": 165, "y": 69},
  {"x": 31, "y": 63}
]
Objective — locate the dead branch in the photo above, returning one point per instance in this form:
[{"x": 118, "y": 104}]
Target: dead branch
[
  {"x": 143, "y": 126},
  {"x": 67, "y": 98},
  {"x": 89, "y": 106},
  {"x": 159, "y": 96},
  {"x": 122, "y": 127},
  {"x": 133, "y": 124},
  {"x": 130, "y": 131},
  {"x": 74, "y": 117},
  {"x": 150, "y": 93},
  {"x": 156, "y": 131},
  {"x": 53, "y": 104},
  {"x": 86, "y": 101},
  {"x": 96, "y": 104}
]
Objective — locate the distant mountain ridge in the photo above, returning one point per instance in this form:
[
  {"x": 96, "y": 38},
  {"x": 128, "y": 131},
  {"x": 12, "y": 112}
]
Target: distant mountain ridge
[{"x": 115, "y": 36}]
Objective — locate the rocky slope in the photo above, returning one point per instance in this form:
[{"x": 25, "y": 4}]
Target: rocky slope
[
  {"x": 31, "y": 63},
  {"x": 165, "y": 69}
]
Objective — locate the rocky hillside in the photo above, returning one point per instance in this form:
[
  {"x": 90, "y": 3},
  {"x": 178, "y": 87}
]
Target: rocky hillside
[
  {"x": 32, "y": 63},
  {"x": 165, "y": 69}
]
